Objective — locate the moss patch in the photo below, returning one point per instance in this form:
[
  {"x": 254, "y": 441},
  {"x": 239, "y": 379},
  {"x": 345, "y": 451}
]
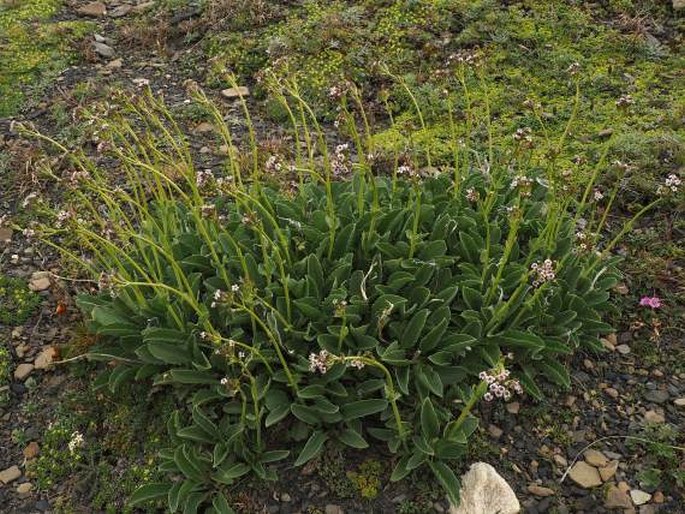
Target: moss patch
[{"x": 33, "y": 49}]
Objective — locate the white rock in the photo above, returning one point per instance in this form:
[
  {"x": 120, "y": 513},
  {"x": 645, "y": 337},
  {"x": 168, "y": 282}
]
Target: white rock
[
  {"x": 678, "y": 4},
  {"x": 639, "y": 497},
  {"x": 40, "y": 281},
  {"x": 484, "y": 491},
  {"x": 235, "y": 92}
]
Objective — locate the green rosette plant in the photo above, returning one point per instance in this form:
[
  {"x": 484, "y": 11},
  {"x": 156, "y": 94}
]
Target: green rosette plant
[{"x": 374, "y": 309}]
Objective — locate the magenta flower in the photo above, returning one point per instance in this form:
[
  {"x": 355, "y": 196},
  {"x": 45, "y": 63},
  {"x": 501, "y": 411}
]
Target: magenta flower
[{"x": 653, "y": 302}]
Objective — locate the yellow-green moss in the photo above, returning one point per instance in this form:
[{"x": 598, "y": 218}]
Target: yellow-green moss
[{"x": 33, "y": 49}]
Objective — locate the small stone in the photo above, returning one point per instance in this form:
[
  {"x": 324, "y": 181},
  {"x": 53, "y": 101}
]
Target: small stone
[
  {"x": 24, "y": 488},
  {"x": 115, "y": 64},
  {"x": 484, "y": 491},
  {"x": 31, "y": 450},
  {"x": 235, "y": 92},
  {"x": 639, "y": 497},
  {"x": 588, "y": 364},
  {"x": 333, "y": 509},
  {"x": 204, "y": 127},
  {"x": 121, "y": 11},
  {"x": 617, "y": 499},
  {"x": 40, "y": 281},
  {"x": 611, "y": 392},
  {"x": 437, "y": 507},
  {"x": 539, "y": 490},
  {"x": 205, "y": 150},
  {"x": 45, "y": 358},
  {"x": 658, "y": 497},
  {"x": 143, "y": 7},
  {"x": 495, "y": 431},
  {"x": 656, "y": 396},
  {"x": 613, "y": 340},
  {"x": 652, "y": 416},
  {"x": 608, "y": 471},
  {"x": 513, "y": 407},
  {"x": 584, "y": 475},
  {"x": 103, "y": 50},
  {"x": 607, "y": 344},
  {"x": 5, "y": 235},
  {"x": 94, "y": 9},
  {"x": 42, "y": 505},
  {"x": 285, "y": 497},
  {"x": 603, "y": 134},
  {"x": 623, "y": 349},
  {"x": 678, "y": 5},
  {"x": 623, "y": 486},
  {"x": 23, "y": 371},
  {"x": 596, "y": 458},
  {"x": 560, "y": 460},
  {"x": 10, "y": 475}
]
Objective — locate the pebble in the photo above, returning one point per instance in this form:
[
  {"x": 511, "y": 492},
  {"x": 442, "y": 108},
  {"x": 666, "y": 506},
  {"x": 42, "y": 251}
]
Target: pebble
[
  {"x": 333, "y": 509},
  {"x": 10, "y": 475},
  {"x": 121, "y": 11},
  {"x": 40, "y": 281},
  {"x": 495, "y": 431},
  {"x": 640, "y": 497},
  {"x": 623, "y": 349},
  {"x": 31, "y": 450},
  {"x": 45, "y": 358},
  {"x": 679, "y": 402},
  {"x": 285, "y": 497},
  {"x": 608, "y": 471},
  {"x": 5, "y": 235},
  {"x": 539, "y": 490},
  {"x": 103, "y": 50},
  {"x": 115, "y": 64},
  {"x": 203, "y": 128},
  {"x": 235, "y": 92},
  {"x": 23, "y": 371},
  {"x": 652, "y": 416},
  {"x": 94, "y": 9},
  {"x": 658, "y": 497},
  {"x": 513, "y": 407},
  {"x": 656, "y": 396},
  {"x": 560, "y": 460},
  {"x": 596, "y": 458},
  {"x": 42, "y": 505},
  {"x": 617, "y": 499},
  {"x": 611, "y": 392},
  {"x": 24, "y": 488},
  {"x": 437, "y": 507},
  {"x": 584, "y": 475}
]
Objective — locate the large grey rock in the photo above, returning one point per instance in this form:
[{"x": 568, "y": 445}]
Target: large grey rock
[{"x": 484, "y": 491}]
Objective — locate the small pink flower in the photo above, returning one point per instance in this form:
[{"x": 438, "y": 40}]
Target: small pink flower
[{"x": 653, "y": 302}]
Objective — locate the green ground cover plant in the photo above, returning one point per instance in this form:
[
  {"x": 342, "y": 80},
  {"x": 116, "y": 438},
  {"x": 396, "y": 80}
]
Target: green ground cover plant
[
  {"x": 17, "y": 301},
  {"x": 32, "y": 50},
  {"x": 322, "y": 299}
]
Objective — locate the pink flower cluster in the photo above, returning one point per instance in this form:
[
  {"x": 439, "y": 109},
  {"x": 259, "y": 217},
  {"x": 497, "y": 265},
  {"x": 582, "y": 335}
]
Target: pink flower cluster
[
  {"x": 499, "y": 384},
  {"x": 320, "y": 361},
  {"x": 653, "y": 302},
  {"x": 544, "y": 272}
]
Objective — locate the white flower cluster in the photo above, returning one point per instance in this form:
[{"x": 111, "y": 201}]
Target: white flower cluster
[
  {"x": 62, "y": 217},
  {"x": 671, "y": 185},
  {"x": 523, "y": 183},
  {"x": 624, "y": 101},
  {"x": 320, "y": 361},
  {"x": 543, "y": 272},
  {"x": 524, "y": 136},
  {"x": 499, "y": 384},
  {"x": 472, "y": 195},
  {"x": 203, "y": 178},
  {"x": 75, "y": 442},
  {"x": 340, "y": 163},
  {"x": 356, "y": 363},
  {"x": 207, "y": 210},
  {"x": 597, "y": 195},
  {"x": 273, "y": 164},
  {"x": 407, "y": 170}
]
